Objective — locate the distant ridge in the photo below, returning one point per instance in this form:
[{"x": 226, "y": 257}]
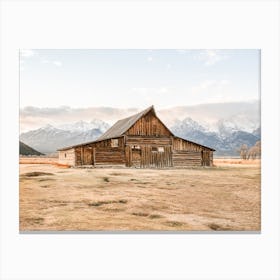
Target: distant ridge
[{"x": 25, "y": 150}]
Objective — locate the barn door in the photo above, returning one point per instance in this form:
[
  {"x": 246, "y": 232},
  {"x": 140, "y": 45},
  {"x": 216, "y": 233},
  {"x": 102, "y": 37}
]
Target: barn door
[
  {"x": 136, "y": 157},
  {"x": 87, "y": 156}
]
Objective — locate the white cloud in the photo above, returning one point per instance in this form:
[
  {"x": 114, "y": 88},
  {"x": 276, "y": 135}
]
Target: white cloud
[
  {"x": 27, "y": 53},
  {"x": 57, "y": 63},
  {"x": 210, "y": 57},
  {"x": 150, "y": 58}
]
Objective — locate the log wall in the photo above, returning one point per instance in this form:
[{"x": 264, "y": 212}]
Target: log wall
[
  {"x": 109, "y": 156},
  {"x": 186, "y": 158},
  {"x": 186, "y": 153}
]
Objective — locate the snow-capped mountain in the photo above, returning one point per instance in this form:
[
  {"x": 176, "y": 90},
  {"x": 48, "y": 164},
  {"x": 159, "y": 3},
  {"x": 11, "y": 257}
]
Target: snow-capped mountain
[
  {"x": 49, "y": 138},
  {"x": 227, "y": 137},
  {"x": 222, "y": 127}
]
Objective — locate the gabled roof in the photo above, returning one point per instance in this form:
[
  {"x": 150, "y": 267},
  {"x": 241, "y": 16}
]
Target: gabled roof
[
  {"x": 119, "y": 128},
  {"x": 122, "y": 126}
]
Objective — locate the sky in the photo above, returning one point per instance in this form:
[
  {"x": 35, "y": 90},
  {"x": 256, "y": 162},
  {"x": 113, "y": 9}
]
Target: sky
[{"x": 82, "y": 78}]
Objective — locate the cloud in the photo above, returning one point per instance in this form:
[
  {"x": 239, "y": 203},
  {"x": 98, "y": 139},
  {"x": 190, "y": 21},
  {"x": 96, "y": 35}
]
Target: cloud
[
  {"x": 150, "y": 58},
  {"x": 210, "y": 57},
  {"x": 35, "y": 117}
]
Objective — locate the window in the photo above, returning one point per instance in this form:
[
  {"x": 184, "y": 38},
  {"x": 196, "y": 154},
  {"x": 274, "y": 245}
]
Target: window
[
  {"x": 114, "y": 142},
  {"x": 136, "y": 147},
  {"x": 158, "y": 149},
  {"x": 65, "y": 155}
]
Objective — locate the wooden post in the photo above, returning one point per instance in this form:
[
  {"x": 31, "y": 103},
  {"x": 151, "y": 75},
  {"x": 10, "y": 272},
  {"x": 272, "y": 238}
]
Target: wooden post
[
  {"x": 93, "y": 156},
  {"x": 82, "y": 155}
]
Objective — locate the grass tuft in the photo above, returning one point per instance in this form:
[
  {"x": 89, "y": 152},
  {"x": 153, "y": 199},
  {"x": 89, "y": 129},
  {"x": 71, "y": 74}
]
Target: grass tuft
[
  {"x": 35, "y": 220},
  {"x": 36, "y": 173},
  {"x": 155, "y": 216},
  {"x": 106, "y": 179},
  {"x": 140, "y": 214},
  {"x": 102, "y": 202},
  {"x": 214, "y": 226},
  {"x": 174, "y": 223},
  {"x": 122, "y": 201}
]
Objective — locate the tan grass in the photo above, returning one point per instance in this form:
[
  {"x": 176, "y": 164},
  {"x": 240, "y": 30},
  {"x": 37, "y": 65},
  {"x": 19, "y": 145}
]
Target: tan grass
[{"x": 226, "y": 197}]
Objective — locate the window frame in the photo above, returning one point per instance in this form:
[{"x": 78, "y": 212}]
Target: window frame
[{"x": 114, "y": 143}]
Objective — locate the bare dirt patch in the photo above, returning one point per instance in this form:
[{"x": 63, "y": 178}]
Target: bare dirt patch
[{"x": 221, "y": 198}]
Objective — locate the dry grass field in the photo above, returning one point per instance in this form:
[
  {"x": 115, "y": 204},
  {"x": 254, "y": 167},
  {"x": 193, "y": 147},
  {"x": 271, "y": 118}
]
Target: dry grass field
[{"x": 225, "y": 197}]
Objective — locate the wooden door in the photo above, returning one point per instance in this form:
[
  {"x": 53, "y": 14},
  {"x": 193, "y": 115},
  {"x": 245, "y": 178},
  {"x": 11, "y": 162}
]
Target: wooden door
[
  {"x": 87, "y": 156},
  {"x": 136, "y": 157}
]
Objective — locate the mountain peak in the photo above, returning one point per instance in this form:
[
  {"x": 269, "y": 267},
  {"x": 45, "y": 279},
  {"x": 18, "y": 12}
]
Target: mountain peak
[{"x": 48, "y": 127}]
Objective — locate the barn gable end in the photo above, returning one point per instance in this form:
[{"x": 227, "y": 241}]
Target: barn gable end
[
  {"x": 149, "y": 125},
  {"x": 142, "y": 141}
]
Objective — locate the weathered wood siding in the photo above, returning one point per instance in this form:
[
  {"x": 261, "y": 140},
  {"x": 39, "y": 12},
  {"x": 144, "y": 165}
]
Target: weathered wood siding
[
  {"x": 100, "y": 153},
  {"x": 148, "y": 140},
  {"x": 148, "y": 125},
  {"x": 207, "y": 158},
  {"x": 186, "y": 158},
  {"x": 84, "y": 155},
  {"x": 183, "y": 145},
  {"x": 146, "y": 156},
  {"x": 186, "y": 153},
  {"x": 108, "y": 143},
  {"x": 105, "y": 154},
  {"x": 67, "y": 157},
  {"x": 109, "y": 156}
]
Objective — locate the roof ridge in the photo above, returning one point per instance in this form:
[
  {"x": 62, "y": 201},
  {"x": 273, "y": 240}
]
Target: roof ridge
[{"x": 122, "y": 125}]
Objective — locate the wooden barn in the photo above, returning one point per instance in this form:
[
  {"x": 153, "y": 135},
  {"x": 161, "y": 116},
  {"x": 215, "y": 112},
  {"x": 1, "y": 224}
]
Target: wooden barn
[{"x": 142, "y": 141}]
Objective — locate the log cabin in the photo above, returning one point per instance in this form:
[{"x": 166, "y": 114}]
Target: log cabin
[{"x": 139, "y": 141}]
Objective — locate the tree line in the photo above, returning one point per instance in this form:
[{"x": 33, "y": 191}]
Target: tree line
[{"x": 250, "y": 153}]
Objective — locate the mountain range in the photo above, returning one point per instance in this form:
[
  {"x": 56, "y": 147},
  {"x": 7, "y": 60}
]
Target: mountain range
[
  {"x": 49, "y": 138},
  {"x": 225, "y": 132}
]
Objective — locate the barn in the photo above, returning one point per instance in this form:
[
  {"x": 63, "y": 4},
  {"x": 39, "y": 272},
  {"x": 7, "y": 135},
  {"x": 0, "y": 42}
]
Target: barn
[{"x": 140, "y": 141}]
